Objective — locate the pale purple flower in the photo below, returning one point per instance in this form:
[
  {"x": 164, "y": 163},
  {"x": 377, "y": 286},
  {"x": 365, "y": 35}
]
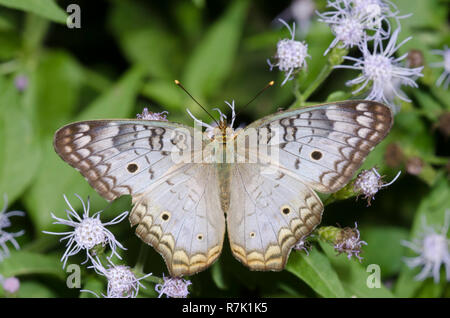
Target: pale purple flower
[
  {"x": 122, "y": 282},
  {"x": 353, "y": 21},
  {"x": 5, "y": 236},
  {"x": 173, "y": 287},
  {"x": 348, "y": 241},
  {"x": 291, "y": 55},
  {"x": 445, "y": 76},
  {"x": 381, "y": 69},
  {"x": 433, "y": 251},
  {"x": 303, "y": 245},
  {"x": 369, "y": 182},
  {"x": 301, "y": 11},
  {"x": 88, "y": 232},
  {"x": 21, "y": 82},
  {"x": 11, "y": 284},
  {"x": 152, "y": 116}
]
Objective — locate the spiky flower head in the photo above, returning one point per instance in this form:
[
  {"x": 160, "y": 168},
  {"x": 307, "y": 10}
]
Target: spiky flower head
[
  {"x": 382, "y": 70},
  {"x": 6, "y": 237},
  {"x": 88, "y": 231},
  {"x": 173, "y": 287},
  {"x": 369, "y": 182},
  {"x": 433, "y": 249},
  {"x": 348, "y": 241},
  {"x": 146, "y": 115},
  {"x": 445, "y": 76},
  {"x": 291, "y": 54}
]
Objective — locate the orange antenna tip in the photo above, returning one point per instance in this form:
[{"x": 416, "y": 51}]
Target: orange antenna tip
[
  {"x": 177, "y": 82},
  {"x": 271, "y": 83}
]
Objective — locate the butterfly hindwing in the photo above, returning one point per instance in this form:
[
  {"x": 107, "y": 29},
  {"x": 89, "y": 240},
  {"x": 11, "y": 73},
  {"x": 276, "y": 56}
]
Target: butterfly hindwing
[
  {"x": 181, "y": 217},
  {"x": 270, "y": 210}
]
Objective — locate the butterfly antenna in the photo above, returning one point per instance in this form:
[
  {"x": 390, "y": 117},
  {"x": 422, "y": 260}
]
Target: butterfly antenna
[
  {"x": 177, "y": 82},
  {"x": 270, "y": 84}
]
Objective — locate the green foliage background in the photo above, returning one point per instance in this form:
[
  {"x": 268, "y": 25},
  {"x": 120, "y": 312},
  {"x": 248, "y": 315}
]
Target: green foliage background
[{"x": 126, "y": 56}]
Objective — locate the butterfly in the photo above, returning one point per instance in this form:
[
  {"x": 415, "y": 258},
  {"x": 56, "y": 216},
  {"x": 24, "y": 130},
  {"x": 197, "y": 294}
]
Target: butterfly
[{"x": 182, "y": 207}]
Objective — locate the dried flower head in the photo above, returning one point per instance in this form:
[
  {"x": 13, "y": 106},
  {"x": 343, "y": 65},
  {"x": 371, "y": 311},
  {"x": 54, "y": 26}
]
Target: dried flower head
[
  {"x": 173, "y": 287},
  {"x": 444, "y": 124},
  {"x": 382, "y": 70},
  {"x": 291, "y": 55},
  {"x": 433, "y": 251},
  {"x": 88, "y": 231},
  {"x": 369, "y": 182},
  {"x": 414, "y": 165},
  {"x": 393, "y": 156},
  {"x": 445, "y": 76},
  {"x": 152, "y": 116},
  {"x": 415, "y": 58},
  {"x": 348, "y": 241}
]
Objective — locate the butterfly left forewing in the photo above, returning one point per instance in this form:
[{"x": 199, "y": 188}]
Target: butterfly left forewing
[{"x": 119, "y": 157}]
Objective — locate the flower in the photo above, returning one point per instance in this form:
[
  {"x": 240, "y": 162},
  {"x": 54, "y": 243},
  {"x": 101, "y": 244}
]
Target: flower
[
  {"x": 383, "y": 70},
  {"x": 301, "y": 11},
  {"x": 348, "y": 241},
  {"x": 6, "y": 237},
  {"x": 11, "y": 284},
  {"x": 152, "y": 116},
  {"x": 445, "y": 76},
  {"x": 122, "y": 282},
  {"x": 21, "y": 82},
  {"x": 352, "y": 21},
  {"x": 173, "y": 287},
  {"x": 291, "y": 55},
  {"x": 369, "y": 182},
  {"x": 432, "y": 248},
  {"x": 303, "y": 245},
  {"x": 88, "y": 231}
]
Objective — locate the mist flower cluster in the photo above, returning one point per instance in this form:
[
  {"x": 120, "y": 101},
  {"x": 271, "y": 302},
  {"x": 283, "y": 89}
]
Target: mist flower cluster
[{"x": 365, "y": 24}]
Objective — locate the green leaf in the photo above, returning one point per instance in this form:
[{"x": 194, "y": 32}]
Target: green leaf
[
  {"x": 56, "y": 177},
  {"x": 353, "y": 275},
  {"x": 34, "y": 289},
  {"x": 20, "y": 153},
  {"x": 144, "y": 38},
  {"x": 27, "y": 263},
  {"x": 316, "y": 271},
  {"x": 389, "y": 259},
  {"x": 53, "y": 107},
  {"x": 166, "y": 93},
  {"x": 212, "y": 60},
  {"x": 45, "y": 8},
  {"x": 93, "y": 284}
]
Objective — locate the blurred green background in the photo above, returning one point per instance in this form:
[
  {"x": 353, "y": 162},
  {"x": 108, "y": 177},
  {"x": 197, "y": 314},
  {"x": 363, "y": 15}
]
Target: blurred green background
[{"x": 125, "y": 57}]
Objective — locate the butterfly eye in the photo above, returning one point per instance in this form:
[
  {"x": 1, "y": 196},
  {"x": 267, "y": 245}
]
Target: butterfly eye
[
  {"x": 132, "y": 167},
  {"x": 165, "y": 216},
  {"x": 285, "y": 209},
  {"x": 316, "y": 155}
]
